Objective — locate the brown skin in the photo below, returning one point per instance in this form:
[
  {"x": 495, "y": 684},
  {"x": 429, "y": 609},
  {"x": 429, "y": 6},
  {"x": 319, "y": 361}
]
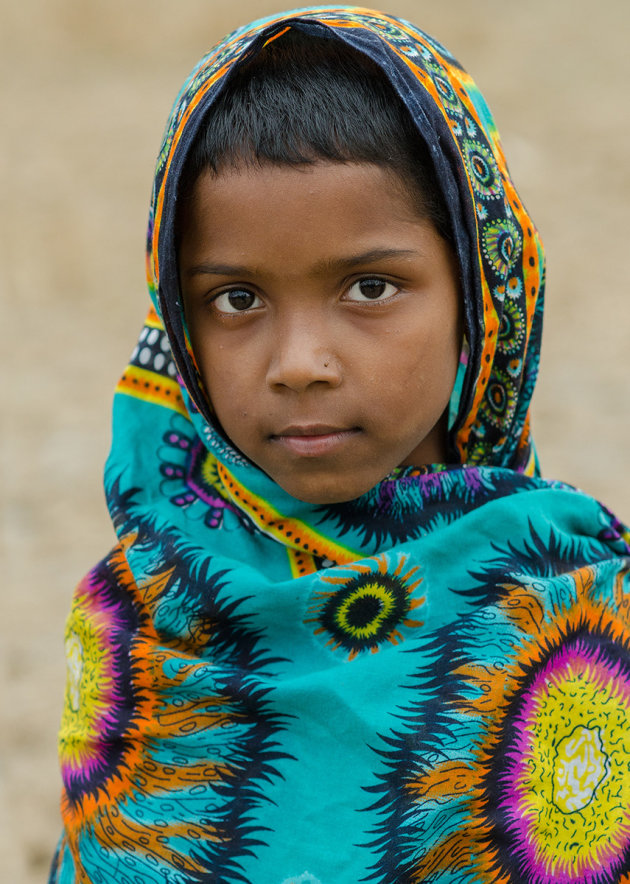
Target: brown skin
[{"x": 325, "y": 318}]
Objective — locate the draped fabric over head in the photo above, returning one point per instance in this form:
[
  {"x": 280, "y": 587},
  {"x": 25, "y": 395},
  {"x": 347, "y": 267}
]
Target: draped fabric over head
[{"x": 428, "y": 683}]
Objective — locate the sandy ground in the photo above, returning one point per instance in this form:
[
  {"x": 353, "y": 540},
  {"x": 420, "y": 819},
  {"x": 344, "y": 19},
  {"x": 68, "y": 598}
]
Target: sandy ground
[{"x": 85, "y": 88}]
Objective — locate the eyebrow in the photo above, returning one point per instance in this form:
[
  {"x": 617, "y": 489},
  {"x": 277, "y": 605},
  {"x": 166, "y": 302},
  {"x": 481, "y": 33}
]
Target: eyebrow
[{"x": 326, "y": 266}]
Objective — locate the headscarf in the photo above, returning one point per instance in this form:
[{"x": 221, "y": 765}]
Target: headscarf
[{"x": 428, "y": 683}]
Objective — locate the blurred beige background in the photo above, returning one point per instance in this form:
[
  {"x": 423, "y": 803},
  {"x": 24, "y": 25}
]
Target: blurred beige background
[{"x": 85, "y": 90}]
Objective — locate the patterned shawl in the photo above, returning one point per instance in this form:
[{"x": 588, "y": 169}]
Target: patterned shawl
[{"x": 428, "y": 683}]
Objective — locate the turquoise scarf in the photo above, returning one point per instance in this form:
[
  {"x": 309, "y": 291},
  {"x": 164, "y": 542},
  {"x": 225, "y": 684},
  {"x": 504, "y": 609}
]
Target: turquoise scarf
[{"x": 428, "y": 683}]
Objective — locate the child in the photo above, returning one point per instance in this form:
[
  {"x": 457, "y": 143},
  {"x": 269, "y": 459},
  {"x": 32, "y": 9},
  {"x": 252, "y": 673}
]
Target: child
[{"x": 347, "y": 632}]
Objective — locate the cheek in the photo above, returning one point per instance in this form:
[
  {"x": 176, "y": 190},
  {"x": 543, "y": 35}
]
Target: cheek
[
  {"x": 233, "y": 386},
  {"x": 218, "y": 382},
  {"x": 225, "y": 370},
  {"x": 425, "y": 362},
  {"x": 423, "y": 382}
]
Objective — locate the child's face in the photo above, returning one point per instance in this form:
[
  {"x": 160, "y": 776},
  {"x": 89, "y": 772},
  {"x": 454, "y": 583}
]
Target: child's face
[{"x": 324, "y": 314}]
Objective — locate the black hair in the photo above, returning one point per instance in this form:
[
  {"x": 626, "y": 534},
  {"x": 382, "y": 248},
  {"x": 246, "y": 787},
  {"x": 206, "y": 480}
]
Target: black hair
[{"x": 303, "y": 99}]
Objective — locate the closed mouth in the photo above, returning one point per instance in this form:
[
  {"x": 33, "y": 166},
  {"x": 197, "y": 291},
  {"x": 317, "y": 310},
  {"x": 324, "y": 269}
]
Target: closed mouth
[
  {"x": 314, "y": 439},
  {"x": 312, "y": 430}
]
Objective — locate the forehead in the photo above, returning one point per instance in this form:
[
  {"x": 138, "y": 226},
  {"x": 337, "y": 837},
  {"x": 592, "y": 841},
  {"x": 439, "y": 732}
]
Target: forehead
[{"x": 294, "y": 213}]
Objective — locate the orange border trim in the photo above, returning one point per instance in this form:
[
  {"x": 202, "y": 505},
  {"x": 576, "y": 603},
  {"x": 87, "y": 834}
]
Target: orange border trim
[
  {"x": 151, "y": 387},
  {"x": 290, "y": 532}
]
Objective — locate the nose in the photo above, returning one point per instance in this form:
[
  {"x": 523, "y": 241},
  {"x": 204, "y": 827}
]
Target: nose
[{"x": 303, "y": 355}]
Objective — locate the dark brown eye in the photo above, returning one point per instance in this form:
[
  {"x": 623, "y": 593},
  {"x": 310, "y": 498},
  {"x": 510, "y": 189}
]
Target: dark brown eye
[
  {"x": 236, "y": 301},
  {"x": 371, "y": 289}
]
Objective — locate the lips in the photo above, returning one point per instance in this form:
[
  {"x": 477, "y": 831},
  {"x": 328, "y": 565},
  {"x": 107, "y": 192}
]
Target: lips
[{"x": 314, "y": 440}]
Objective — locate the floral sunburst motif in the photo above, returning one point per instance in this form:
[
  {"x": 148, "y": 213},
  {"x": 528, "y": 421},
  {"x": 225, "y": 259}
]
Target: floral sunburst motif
[
  {"x": 368, "y": 606},
  {"x": 151, "y": 762},
  {"x": 544, "y": 794}
]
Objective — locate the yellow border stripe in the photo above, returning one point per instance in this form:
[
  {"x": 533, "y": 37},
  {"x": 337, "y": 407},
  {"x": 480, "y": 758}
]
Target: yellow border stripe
[
  {"x": 290, "y": 532},
  {"x": 153, "y": 320},
  {"x": 300, "y": 562},
  {"x": 151, "y": 387}
]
